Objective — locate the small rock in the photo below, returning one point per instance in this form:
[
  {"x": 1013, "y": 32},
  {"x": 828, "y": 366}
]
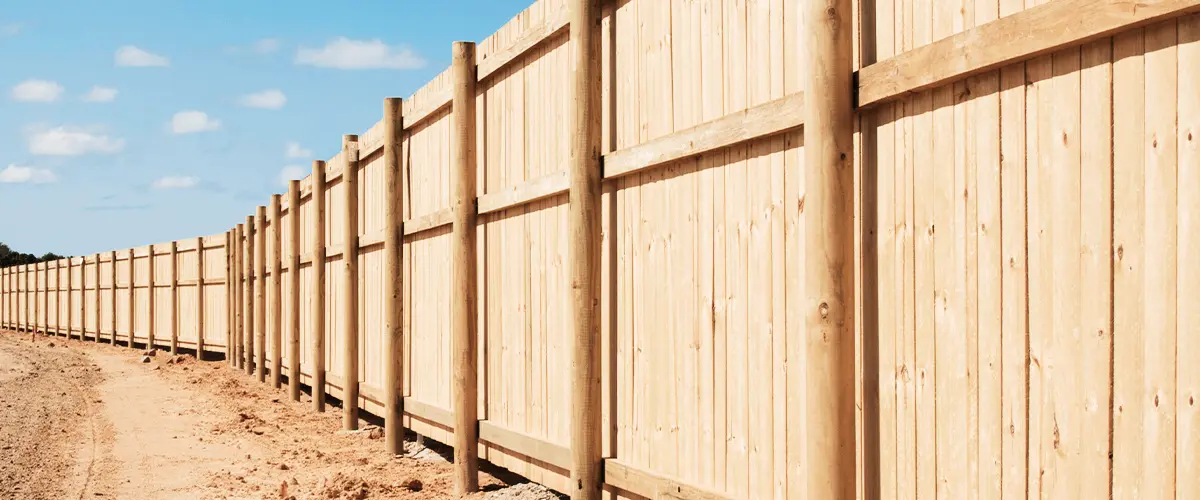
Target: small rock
[
  {"x": 52, "y": 344},
  {"x": 151, "y": 352},
  {"x": 294, "y": 482},
  {"x": 283, "y": 467},
  {"x": 258, "y": 431},
  {"x": 145, "y": 359},
  {"x": 412, "y": 484},
  {"x": 375, "y": 433},
  {"x": 157, "y": 368}
]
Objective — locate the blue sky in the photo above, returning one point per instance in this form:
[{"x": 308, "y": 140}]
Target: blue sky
[{"x": 124, "y": 123}]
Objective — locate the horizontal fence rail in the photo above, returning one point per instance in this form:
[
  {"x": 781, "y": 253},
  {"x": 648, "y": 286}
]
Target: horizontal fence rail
[{"x": 639, "y": 266}]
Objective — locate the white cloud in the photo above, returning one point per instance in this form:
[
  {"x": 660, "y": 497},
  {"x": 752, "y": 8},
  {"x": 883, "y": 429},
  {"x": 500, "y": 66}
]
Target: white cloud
[
  {"x": 294, "y": 150},
  {"x": 17, "y": 174},
  {"x": 176, "y": 182},
  {"x": 343, "y": 53},
  {"x": 130, "y": 55},
  {"x": 266, "y": 45},
  {"x": 37, "y": 91},
  {"x": 10, "y": 29},
  {"x": 291, "y": 172},
  {"x": 72, "y": 141},
  {"x": 101, "y": 94},
  {"x": 267, "y": 99},
  {"x": 188, "y": 122}
]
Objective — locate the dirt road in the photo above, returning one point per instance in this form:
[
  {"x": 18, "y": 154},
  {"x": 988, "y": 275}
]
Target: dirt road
[{"x": 81, "y": 420}]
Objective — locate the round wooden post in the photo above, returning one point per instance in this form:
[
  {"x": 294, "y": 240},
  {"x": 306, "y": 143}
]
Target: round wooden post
[
  {"x": 829, "y": 250},
  {"x": 318, "y": 285},
  {"x": 200, "y": 313},
  {"x": 99, "y": 303},
  {"x": 276, "y": 303},
  {"x": 113, "y": 290},
  {"x": 131, "y": 306},
  {"x": 229, "y": 316},
  {"x": 259, "y": 249},
  {"x": 350, "y": 282},
  {"x": 247, "y": 294},
  {"x": 238, "y": 312},
  {"x": 150, "y": 327},
  {"x": 393, "y": 234},
  {"x": 174, "y": 252},
  {"x": 45, "y": 304},
  {"x": 30, "y": 296},
  {"x": 583, "y": 247},
  {"x": 294, "y": 289},
  {"x": 82, "y": 299},
  {"x": 58, "y": 320},
  {"x": 463, "y": 288}
]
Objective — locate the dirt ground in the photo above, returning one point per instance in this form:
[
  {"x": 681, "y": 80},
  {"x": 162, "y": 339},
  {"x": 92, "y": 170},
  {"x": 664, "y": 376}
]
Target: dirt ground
[{"x": 85, "y": 420}]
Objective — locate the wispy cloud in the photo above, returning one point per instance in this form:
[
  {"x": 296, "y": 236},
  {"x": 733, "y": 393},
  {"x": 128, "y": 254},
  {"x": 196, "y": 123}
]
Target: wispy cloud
[
  {"x": 72, "y": 141},
  {"x": 19, "y": 174},
  {"x": 117, "y": 207},
  {"x": 101, "y": 94},
  {"x": 132, "y": 56},
  {"x": 37, "y": 91},
  {"x": 10, "y": 29},
  {"x": 294, "y": 150},
  {"x": 344, "y": 53},
  {"x": 267, "y": 99},
  {"x": 176, "y": 182},
  {"x": 191, "y": 121}
]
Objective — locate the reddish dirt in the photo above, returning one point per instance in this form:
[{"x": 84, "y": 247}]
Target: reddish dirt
[{"x": 81, "y": 419}]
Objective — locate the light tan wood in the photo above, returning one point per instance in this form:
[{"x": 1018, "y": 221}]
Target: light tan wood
[
  {"x": 174, "y": 252},
  {"x": 249, "y": 336},
  {"x": 651, "y": 485},
  {"x": 131, "y": 309},
  {"x": 829, "y": 250},
  {"x": 1058, "y": 24},
  {"x": 258, "y": 251},
  {"x": 760, "y": 121},
  {"x": 230, "y": 345},
  {"x": 393, "y": 291},
  {"x": 238, "y": 311},
  {"x": 464, "y": 289},
  {"x": 293, "y": 291},
  {"x": 546, "y": 186},
  {"x": 99, "y": 302},
  {"x": 350, "y": 288},
  {"x": 150, "y": 326},
  {"x": 200, "y": 303},
  {"x": 584, "y": 250},
  {"x": 538, "y": 449},
  {"x": 433, "y": 106},
  {"x": 552, "y": 26},
  {"x": 424, "y": 411},
  {"x": 276, "y": 315},
  {"x": 435, "y": 220},
  {"x": 317, "y": 295}
]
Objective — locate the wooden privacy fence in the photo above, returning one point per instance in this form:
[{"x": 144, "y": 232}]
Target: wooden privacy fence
[{"x": 702, "y": 249}]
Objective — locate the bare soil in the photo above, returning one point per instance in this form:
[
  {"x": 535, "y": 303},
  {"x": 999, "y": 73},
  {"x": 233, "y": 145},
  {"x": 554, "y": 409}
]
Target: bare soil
[{"x": 85, "y": 420}]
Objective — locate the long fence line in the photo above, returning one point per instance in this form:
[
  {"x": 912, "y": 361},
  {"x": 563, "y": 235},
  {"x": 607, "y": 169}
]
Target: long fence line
[{"x": 638, "y": 249}]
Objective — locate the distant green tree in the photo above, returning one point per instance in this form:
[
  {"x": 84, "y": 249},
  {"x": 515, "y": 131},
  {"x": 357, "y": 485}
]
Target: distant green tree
[{"x": 9, "y": 257}]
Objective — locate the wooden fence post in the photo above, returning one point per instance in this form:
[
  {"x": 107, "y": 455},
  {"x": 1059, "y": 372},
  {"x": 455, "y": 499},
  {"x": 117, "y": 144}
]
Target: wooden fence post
[
  {"x": 583, "y": 249},
  {"x": 229, "y": 315},
  {"x": 97, "y": 320},
  {"x": 829, "y": 249},
  {"x": 200, "y": 302},
  {"x": 237, "y": 311},
  {"x": 113, "y": 286},
  {"x": 132, "y": 298},
  {"x": 350, "y": 281},
  {"x": 70, "y": 297},
  {"x": 259, "y": 251},
  {"x": 318, "y": 284},
  {"x": 463, "y": 289},
  {"x": 4, "y": 298},
  {"x": 174, "y": 298},
  {"x": 248, "y": 293},
  {"x": 58, "y": 279},
  {"x": 393, "y": 234},
  {"x": 29, "y": 298},
  {"x": 150, "y": 307},
  {"x": 82, "y": 299},
  {"x": 294, "y": 289},
  {"x": 276, "y": 303},
  {"x": 45, "y": 304}
]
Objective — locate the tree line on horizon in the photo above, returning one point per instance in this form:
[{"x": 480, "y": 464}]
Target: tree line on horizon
[{"x": 10, "y": 257}]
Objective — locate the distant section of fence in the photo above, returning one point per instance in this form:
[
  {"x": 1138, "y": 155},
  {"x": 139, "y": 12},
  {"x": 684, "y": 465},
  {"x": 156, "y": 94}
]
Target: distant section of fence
[{"x": 670, "y": 261}]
